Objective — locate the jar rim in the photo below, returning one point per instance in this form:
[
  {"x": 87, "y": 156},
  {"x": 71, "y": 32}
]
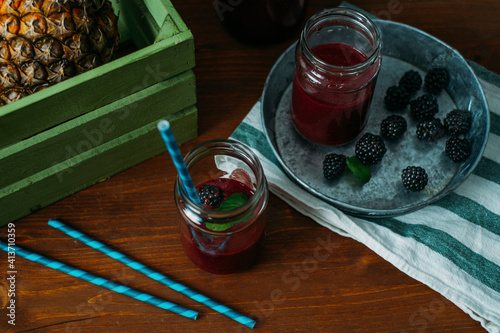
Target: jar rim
[
  {"x": 209, "y": 148},
  {"x": 346, "y": 13}
]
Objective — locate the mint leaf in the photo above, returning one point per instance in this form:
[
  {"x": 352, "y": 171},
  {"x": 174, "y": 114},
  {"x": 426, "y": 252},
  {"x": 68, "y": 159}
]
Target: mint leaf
[
  {"x": 361, "y": 171},
  {"x": 219, "y": 227},
  {"x": 233, "y": 201}
]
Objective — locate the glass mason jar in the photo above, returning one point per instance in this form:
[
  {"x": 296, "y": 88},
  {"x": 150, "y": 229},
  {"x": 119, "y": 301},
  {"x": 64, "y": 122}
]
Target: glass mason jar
[
  {"x": 337, "y": 61},
  {"x": 260, "y": 21},
  {"x": 223, "y": 241}
]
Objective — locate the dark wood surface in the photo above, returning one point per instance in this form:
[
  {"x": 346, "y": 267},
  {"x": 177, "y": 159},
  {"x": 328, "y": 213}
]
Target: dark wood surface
[{"x": 351, "y": 290}]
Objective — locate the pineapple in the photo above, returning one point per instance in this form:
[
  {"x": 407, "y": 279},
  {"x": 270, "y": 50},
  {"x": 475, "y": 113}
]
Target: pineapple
[{"x": 43, "y": 42}]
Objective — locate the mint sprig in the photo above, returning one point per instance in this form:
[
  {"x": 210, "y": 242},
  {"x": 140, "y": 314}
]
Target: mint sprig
[
  {"x": 233, "y": 201},
  {"x": 361, "y": 171}
]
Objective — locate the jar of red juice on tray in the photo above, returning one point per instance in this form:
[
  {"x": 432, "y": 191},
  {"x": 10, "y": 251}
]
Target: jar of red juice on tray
[
  {"x": 337, "y": 61},
  {"x": 225, "y": 233}
]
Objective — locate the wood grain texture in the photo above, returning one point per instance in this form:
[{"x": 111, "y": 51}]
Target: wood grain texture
[{"x": 351, "y": 290}]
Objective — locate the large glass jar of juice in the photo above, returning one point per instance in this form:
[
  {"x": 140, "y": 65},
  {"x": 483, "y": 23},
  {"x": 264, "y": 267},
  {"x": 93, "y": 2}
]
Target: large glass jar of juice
[
  {"x": 260, "y": 21},
  {"x": 225, "y": 233},
  {"x": 337, "y": 61}
]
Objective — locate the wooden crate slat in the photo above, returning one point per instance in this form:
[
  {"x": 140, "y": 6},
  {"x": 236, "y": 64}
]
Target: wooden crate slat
[
  {"x": 175, "y": 16},
  {"x": 158, "y": 10},
  {"x": 145, "y": 26},
  {"x": 94, "y": 89},
  {"x": 141, "y": 21},
  {"x": 166, "y": 31},
  {"x": 173, "y": 22},
  {"x": 81, "y": 171},
  {"x": 95, "y": 128}
]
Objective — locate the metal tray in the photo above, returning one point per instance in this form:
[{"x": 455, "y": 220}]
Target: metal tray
[{"x": 403, "y": 48}]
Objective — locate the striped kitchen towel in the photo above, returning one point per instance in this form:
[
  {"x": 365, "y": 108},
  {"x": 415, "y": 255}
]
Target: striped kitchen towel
[{"x": 452, "y": 245}]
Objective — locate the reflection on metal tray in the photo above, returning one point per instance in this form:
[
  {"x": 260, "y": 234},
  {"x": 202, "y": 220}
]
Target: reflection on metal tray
[{"x": 403, "y": 48}]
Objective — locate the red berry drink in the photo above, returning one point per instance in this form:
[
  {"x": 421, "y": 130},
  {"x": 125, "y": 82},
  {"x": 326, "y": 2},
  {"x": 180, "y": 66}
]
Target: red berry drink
[
  {"x": 225, "y": 233},
  {"x": 336, "y": 68},
  {"x": 223, "y": 254},
  {"x": 328, "y": 117}
]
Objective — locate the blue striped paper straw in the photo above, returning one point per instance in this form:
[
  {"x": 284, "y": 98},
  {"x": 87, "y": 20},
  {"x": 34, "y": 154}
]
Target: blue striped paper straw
[
  {"x": 152, "y": 274},
  {"x": 100, "y": 281},
  {"x": 180, "y": 165}
]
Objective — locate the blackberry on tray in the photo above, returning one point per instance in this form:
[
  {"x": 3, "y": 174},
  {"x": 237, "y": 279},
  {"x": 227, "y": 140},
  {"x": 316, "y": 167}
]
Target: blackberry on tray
[
  {"x": 396, "y": 98},
  {"x": 458, "y": 150},
  {"x": 411, "y": 81},
  {"x": 430, "y": 129},
  {"x": 333, "y": 165},
  {"x": 414, "y": 178},
  {"x": 436, "y": 80},
  {"x": 370, "y": 149},
  {"x": 457, "y": 122},
  {"x": 424, "y": 107},
  {"x": 393, "y": 127}
]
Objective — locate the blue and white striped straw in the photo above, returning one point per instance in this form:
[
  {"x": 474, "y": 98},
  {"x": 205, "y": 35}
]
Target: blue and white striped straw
[
  {"x": 152, "y": 274},
  {"x": 99, "y": 281},
  {"x": 180, "y": 165}
]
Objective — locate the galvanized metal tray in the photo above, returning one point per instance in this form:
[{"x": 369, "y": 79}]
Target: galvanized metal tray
[{"x": 403, "y": 48}]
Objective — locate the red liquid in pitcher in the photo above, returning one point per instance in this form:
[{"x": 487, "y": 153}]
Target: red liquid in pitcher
[
  {"x": 326, "y": 114},
  {"x": 260, "y": 21},
  {"x": 227, "y": 253}
]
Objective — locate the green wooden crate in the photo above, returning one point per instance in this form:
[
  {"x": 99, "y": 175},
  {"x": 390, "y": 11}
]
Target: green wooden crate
[{"x": 85, "y": 129}]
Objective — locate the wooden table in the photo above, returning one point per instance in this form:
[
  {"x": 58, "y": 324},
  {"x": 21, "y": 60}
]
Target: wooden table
[{"x": 351, "y": 290}]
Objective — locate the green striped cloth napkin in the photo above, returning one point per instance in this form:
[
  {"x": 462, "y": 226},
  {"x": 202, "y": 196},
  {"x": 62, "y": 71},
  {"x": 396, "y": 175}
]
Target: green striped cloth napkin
[{"x": 453, "y": 245}]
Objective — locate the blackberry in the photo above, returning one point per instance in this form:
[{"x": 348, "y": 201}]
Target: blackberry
[
  {"x": 370, "y": 149},
  {"x": 333, "y": 165},
  {"x": 457, "y": 122},
  {"x": 436, "y": 80},
  {"x": 393, "y": 127},
  {"x": 430, "y": 129},
  {"x": 396, "y": 98},
  {"x": 414, "y": 178},
  {"x": 458, "y": 150},
  {"x": 424, "y": 107},
  {"x": 210, "y": 195},
  {"x": 411, "y": 81}
]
